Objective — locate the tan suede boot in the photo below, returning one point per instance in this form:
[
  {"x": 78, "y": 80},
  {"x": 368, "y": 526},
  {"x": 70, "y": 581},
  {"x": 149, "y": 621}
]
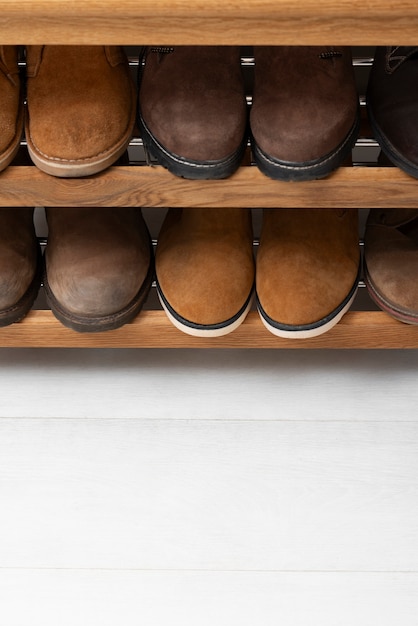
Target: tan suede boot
[
  {"x": 98, "y": 266},
  {"x": 308, "y": 265},
  {"x": 192, "y": 109},
  {"x": 11, "y": 105},
  {"x": 391, "y": 261},
  {"x": 20, "y": 264},
  {"x": 80, "y": 108},
  {"x": 205, "y": 269}
]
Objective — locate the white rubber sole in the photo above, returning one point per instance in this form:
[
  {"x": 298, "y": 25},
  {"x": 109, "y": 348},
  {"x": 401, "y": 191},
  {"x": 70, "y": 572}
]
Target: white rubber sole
[{"x": 209, "y": 331}]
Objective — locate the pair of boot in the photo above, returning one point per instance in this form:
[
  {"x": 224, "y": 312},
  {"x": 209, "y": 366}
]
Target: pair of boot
[
  {"x": 193, "y": 115},
  {"x": 97, "y": 268},
  {"x": 391, "y": 236},
  {"x": 305, "y": 275},
  {"x": 78, "y": 120}
]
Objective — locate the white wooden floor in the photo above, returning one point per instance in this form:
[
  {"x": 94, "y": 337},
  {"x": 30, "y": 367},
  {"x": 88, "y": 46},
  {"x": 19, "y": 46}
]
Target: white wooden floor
[{"x": 215, "y": 488}]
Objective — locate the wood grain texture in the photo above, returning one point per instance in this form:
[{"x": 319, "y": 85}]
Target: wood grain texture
[
  {"x": 229, "y": 495},
  {"x": 153, "y": 186},
  {"x": 152, "y": 329},
  {"x": 88, "y": 598},
  {"x": 351, "y": 22}
]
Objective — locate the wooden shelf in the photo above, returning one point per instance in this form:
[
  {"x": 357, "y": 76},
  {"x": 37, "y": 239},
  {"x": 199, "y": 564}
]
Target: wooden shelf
[
  {"x": 209, "y": 22},
  {"x": 152, "y": 186},
  {"x": 279, "y": 22},
  {"x": 152, "y": 329}
]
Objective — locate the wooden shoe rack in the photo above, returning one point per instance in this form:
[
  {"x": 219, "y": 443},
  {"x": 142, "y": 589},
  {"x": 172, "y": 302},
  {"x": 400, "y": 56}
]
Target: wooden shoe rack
[{"x": 274, "y": 22}]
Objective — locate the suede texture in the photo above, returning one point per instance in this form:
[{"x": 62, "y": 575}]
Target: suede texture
[
  {"x": 80, "y": 104},
  {"x": 307, "y": 263},
  {"x": 11, "y": 105},
  {"x": 96, "y": 259},
  {"x": 304, "y": 104},
  {"x": 205, "y": 264},
  {"x": 18, "y": 254},
  {"x": 391, "y": 257},
  {"x": 192, "y": 100},
  {"x": 392, "y": 99}
]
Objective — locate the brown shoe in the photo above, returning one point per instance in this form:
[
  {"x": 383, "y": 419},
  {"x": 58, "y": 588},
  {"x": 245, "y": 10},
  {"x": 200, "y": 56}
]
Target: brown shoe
[
  {"x": 392, "y": 104},
  {"x": 98, "y": 266},
  {"x": 308, "y": 265},
  {"x": 192, "y": 109},
  {"x": 391, "y": 261},
  {"x": 80, "y": 108},
  {"x": 11, "y": 105},
  {"x": 205, "y": 269},
  {"x": 305, "y": 113},
  {"x": 20, "y": 264}
]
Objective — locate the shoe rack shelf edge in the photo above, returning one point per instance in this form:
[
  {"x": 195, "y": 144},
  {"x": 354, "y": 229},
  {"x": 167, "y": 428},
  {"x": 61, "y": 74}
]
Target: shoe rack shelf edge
[{"x": 207, "y": 22}]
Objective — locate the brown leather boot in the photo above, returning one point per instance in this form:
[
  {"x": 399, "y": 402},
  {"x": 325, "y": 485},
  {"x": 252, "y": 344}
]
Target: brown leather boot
[
  {"x": 11, "y": 105},
  {"x": 81, "y": 106},
  {"x": 98, "y": 266},
  {"x": 304, "y": 117},
  {"x": 392, "y": 104},
  {"x": 391, "y": 261},
  {"x": 205, "y": 269},
  {"x": 20, "y": 264},
  {"x": 192, "y": 109},
  {"x": 308, "y": 264}
]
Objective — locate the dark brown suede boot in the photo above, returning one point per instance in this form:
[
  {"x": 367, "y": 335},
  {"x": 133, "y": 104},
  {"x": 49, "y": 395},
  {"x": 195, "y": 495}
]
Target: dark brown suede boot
[
  {"x": 305, "y": 113},
  {"x": 81, "y": 106},
  {"x": 192, "y": 109},
  {"x": 20, "y": 264},
  {"x": 308, "y": 264},
  {"x": 392, "y": 104},
  {"x": 98, "y": 266},
  {"x": 391, "y": 261},
  {"x": 11, "y": 105},
  {"x": 205, "y": 269}
]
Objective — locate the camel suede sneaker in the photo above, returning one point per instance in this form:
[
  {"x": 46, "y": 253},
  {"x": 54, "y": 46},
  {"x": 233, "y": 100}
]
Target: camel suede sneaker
[
  {"x": 20, "y": 264},
  {"x": 11, "y": 105},
  {"x": 98, "y": 266},
  {"x": 308, "y": 265},
  {"x": 81, "y": 107},
  {"x": 305, "y": 113},
  {"x": 392, "y": 104},
  {"x": 391, "y": 261},
  {"x": 192, "y": 109},
  {"x": 205, "y": 269}
]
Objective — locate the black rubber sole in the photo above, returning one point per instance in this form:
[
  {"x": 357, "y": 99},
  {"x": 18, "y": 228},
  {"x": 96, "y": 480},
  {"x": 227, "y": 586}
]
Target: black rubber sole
[
  {"x": 389, "y": 150},
  {"x": 19, "y": 310},
  {"x": 85, "y": 324},
  {"x": 308, "y": 170},
  {"x": 186, "y": 168},
  {"x": 319, "y": 327}
]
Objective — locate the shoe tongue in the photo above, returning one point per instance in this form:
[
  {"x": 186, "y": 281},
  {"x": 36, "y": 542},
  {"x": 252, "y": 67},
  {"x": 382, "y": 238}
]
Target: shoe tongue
[{"x": 398, "y": 54}]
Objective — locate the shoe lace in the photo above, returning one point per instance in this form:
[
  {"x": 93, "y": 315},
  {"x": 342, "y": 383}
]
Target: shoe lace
[{"x": 330, "y": 54}]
